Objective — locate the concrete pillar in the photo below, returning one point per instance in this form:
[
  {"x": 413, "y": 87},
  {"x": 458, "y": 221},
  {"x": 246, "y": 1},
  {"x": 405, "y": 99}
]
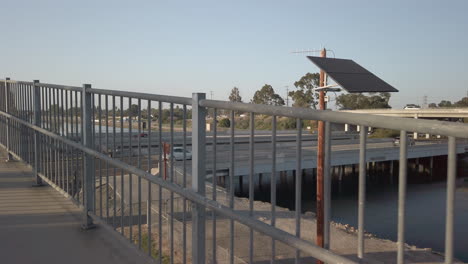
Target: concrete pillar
[
  {"x": 369, "y": 129},
  {"x": 241, "y": 184},
  {"x": 391, "y": 168},
  {"x": 418, "y": 166},
  {"x": 358, "y": 128},
  {"x": 260, "y": 176},
  {"x": 431, "y": 167},
  {"x": 391, "y": 172},
  {"x": 346, "y": 127},
  {"x": 428, "y": 136},
  {"x": 342, "y": 171}
]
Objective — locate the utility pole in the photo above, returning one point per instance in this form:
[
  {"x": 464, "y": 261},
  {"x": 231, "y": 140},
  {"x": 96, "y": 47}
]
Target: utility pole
[
  {"x": 287, "y": 95},
  {"x": 320, "y": 163},
  {"x": 320, "y": 241},
  {"x": 211, "y": 95}
]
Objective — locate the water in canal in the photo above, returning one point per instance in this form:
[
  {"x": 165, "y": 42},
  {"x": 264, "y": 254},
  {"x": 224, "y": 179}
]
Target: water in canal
[{"x": 425, "y": 204}]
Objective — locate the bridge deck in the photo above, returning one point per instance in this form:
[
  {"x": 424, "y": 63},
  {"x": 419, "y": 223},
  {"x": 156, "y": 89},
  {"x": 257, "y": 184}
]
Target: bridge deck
[{"x": 39, "y": 225}]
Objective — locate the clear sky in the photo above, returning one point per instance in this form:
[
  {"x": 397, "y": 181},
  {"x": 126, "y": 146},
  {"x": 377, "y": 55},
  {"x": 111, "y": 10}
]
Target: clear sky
[{"x": 180, "y": 47}]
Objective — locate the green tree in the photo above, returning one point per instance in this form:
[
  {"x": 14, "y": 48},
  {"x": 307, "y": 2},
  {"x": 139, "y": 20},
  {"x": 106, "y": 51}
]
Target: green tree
[
  {"x": 445, "y": 103},
  {"x": 304, "y": 96},
  {"x": 462, "y": 103},
  {"x": 267, "y": 96},
  {"x": 432, "y": 105},
  {"x": 132, "y": 110},
  {"x": 355, "y": 101},
  {"x": 235, "y": 95}
]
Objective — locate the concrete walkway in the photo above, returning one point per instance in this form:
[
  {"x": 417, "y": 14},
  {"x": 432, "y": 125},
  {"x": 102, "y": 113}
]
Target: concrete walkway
[{"x": 39, "y": 225}]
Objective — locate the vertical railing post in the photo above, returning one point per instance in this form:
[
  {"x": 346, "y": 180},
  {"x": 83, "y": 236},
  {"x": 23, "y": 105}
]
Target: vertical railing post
[
  {"x": 402, "y": 179},
  {"x": 37, "y": 122},
  {"x": 362, "y": 190},
  {"x": 451, "y": 188},
  {"x": 88, "y": 164},
  {"x": 8, "y": 122},
  {"x": 198, "y": 177},
  {"x": 327, "y": 180}
]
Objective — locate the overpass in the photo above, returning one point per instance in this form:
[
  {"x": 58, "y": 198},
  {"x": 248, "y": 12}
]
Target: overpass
[
  {"x": 428, "y": 113},
  {"x": 431, "y": 113}
]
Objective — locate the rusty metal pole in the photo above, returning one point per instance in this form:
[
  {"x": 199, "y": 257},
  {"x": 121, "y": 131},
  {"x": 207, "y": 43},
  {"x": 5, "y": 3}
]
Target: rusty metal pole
[{"x": 320, "y": 163}]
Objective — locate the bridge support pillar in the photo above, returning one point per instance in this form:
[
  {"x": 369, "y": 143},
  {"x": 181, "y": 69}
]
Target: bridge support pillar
[
  {"x": 391, "y": 168},
  {"x": 346, "y": 127},
  {"x": 391, "y": 171},
  {"x": 431, "y": 167},
  {"x": 415, "y": 134},
  {"x": 428, "y": 136},
  {"x": 418, "y": 166}
]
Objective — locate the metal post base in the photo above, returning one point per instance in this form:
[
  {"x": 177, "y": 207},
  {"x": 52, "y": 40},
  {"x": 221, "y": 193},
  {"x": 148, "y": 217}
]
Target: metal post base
[
  {"x": 38, "y": 181},
  {"x": 88, "y": 223},
  {"x": 9, "y": 158},
  {"x": 88, "y": 226}
]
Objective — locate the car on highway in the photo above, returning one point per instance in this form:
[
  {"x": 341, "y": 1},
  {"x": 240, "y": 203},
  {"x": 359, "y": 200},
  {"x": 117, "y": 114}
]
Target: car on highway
[
  {"x": 143, "y": 135},
  {"x": 179, "y": 153},
  {"x": 410, "y": 141},
  {"x": 412, "y": 106}
]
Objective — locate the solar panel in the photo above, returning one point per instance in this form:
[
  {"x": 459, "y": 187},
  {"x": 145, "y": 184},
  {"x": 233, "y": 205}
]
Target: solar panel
[{"x": 351, "y": 76}]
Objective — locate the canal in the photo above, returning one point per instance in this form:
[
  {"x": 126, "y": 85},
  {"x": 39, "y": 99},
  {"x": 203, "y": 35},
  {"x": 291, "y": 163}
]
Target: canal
[{"x": 425, "y": 204}]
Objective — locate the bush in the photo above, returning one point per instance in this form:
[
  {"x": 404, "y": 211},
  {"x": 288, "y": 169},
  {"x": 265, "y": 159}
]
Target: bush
[
  {"x": 242, "y": 123},
  {"x": 384, "y": 133},
  {"x": 225, "y": 122},
  {"x": 287, "y": 123},
  {"x": 263, "y": 122}
]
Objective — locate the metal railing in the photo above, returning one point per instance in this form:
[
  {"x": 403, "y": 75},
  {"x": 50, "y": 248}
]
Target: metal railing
[{"x": 104, "y": 150}]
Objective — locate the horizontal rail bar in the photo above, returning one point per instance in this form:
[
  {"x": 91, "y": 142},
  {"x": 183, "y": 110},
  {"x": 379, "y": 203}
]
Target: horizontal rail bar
[
  {"x": 57, "y": 86},
  {"x": 242, "y": 218},
  {"x": 18, "y": 82},
  {"x": 395, "y": 123},
  {"x": 147, "y": 96}
]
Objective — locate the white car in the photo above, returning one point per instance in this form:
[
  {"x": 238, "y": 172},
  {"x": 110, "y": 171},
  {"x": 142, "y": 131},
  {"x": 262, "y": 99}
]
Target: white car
[
  {"x": 412, "y": 106},
  {"x": 179, "y": 153},
  {"x": 410, "y": 141}
]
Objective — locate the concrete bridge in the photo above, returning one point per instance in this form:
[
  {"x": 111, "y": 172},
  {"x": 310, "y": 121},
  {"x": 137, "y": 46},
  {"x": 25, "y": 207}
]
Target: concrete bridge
[{"x": 432, "y": 113}]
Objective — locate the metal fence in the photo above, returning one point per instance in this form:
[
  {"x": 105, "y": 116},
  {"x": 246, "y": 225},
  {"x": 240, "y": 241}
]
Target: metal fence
[{"x": 104, "y": 149}]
